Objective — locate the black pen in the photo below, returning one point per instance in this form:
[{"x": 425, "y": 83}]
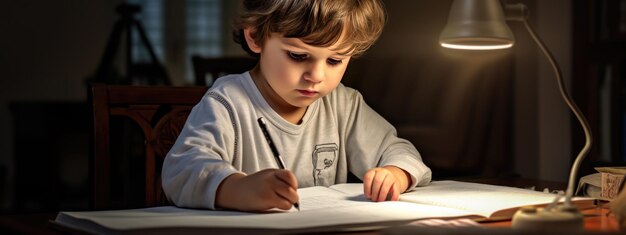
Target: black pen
[{"x": 275, "y": 152}]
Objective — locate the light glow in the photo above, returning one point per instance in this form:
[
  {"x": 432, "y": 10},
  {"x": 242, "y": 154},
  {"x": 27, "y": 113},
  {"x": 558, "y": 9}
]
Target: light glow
[{"x": 476, "y": 47}]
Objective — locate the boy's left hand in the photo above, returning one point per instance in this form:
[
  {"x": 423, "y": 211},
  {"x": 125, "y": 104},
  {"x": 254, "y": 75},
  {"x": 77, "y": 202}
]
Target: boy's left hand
[{"x": 382, "y": 183}]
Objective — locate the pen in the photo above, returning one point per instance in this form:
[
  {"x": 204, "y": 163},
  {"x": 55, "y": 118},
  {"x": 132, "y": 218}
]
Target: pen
[{"x": 275, "y": 152}]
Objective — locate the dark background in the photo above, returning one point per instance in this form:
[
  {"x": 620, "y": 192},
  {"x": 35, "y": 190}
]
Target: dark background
[{"x": 49, "y": 48}]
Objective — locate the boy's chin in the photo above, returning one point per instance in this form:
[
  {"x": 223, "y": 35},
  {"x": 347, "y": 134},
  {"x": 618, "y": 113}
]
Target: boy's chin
[{"x": 303, "y": 103}]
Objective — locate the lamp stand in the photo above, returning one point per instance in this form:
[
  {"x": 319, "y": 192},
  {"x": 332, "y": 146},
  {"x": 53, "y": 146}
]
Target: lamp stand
[
  {"x": 564, "y": 217},
  {"x": 480, "y": 25}
]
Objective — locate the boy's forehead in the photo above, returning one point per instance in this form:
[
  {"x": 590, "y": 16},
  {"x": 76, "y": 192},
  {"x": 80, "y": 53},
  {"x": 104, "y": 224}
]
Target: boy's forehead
[{"x": 298, "y": 42}]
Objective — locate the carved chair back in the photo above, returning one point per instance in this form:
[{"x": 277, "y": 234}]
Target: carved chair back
[{"x": 159, "y": 112}]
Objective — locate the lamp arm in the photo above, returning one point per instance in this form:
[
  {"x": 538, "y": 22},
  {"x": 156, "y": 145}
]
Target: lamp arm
[{"x": 573, "y": 107}]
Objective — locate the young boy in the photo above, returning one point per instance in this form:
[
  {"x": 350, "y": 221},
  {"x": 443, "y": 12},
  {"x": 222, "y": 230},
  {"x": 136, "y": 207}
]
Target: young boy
[{"x": 322, "y": 129}]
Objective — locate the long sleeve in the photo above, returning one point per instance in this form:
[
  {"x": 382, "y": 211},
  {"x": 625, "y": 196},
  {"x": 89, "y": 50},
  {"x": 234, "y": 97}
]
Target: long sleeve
[
  {"x": 373, "y": 142},
  {"x": 200, "y": 158}
]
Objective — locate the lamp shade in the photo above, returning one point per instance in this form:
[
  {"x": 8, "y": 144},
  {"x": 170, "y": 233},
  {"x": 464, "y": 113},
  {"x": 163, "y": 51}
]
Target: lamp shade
[{"x": 476, "y": 25}]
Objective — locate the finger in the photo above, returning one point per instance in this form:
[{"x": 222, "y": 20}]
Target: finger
[
  {"x": 367, "y": 183},
  {"x": 282, "y": 203},
  {"x": 286, "y": 192},
  {"x": 285, "y": 186},
  {"x": 264, "y": 184},
  {"x": 385, "y": 188},
  {"x": 395, "y": 192},
  {"x": 377, "y": 184},
  {"x": 288, "y": 177}
]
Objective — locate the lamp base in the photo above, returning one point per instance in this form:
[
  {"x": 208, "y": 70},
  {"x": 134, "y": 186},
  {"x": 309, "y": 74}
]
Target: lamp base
[{"x": 561, "y": 218}]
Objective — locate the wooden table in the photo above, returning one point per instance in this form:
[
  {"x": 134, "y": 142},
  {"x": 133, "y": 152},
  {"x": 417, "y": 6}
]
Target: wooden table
[
  {"x": 596, "y": 220},
  {"x": 27, "y": 224}
]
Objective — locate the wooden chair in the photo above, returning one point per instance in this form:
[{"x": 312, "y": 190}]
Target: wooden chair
[
  {"x": 159, "y": 113},
  {"x": 218, "y": 66}
]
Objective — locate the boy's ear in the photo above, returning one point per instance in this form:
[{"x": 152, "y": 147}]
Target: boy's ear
[{"x": 254, "y": 47}]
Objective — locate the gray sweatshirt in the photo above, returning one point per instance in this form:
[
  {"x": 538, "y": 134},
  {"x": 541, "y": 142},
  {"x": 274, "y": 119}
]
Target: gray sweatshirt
[{"x": 338, "y": 133}]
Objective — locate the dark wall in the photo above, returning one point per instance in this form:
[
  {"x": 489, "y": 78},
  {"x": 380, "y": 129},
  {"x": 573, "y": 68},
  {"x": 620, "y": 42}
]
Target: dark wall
[
  {"x": 453, "y": 105},
  {"x": 48, "y": 48}
]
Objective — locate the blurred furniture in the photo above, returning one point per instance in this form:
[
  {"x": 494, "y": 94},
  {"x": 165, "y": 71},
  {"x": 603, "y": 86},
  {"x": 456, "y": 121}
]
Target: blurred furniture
[
  {"x": 598, "y": 79},
  {"x": 157, "y": 113},
  {"x": 207, "y": 69},
  {"x": 136, "y": 72}
]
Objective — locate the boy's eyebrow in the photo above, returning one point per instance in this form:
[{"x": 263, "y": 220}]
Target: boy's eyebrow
[
  {"x": 292, "y": 44},
  {"x": 289, "y": 43}
]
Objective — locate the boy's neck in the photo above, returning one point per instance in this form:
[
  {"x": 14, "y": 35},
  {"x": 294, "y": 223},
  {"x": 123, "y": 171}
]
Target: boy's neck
[
  {"x": 288, "y": 112},
  {"x": 293, "y": 117}
]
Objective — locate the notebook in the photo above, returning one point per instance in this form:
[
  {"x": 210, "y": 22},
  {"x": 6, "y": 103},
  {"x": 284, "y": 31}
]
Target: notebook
[{"x": 337, "y": 208}]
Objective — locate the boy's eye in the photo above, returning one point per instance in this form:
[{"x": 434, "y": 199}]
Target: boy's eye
[
  {"x": 297, "y": 57},
  {"x": 334, "y": 61}
]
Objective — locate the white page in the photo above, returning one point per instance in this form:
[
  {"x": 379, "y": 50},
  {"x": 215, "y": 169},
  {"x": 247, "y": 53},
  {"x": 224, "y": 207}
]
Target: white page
[
  {"x": 313, "y": 198},
  {"x": 321, "y": 207},
  {"x": 173, "y": 217},
  {"x": 342, "y": 204},
  {"x": 351, "y": 189},
  {"x": 481, "y": 199}
]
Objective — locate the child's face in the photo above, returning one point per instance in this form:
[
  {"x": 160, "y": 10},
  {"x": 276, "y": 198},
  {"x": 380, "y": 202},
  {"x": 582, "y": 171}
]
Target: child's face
[{"x": 297, "y": 73}]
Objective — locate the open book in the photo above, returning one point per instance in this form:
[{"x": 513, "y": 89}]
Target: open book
[{"x": 323, "y": 209}]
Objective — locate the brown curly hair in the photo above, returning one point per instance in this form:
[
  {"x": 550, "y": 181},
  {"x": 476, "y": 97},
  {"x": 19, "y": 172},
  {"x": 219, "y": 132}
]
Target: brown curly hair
[{"x": 315, "y": 22}]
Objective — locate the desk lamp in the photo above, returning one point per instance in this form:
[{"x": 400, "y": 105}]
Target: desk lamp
[{"x": 480, "y": 25}]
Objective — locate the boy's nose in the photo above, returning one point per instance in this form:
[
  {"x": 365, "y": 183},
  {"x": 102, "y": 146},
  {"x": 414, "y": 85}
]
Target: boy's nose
[{"x": 315, "y": 73}]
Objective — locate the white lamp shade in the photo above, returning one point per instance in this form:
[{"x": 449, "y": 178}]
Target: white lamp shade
[{"x": 476, "y": 25}]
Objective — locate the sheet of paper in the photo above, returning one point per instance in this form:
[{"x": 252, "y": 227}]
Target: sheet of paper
[
  {"x": 338, "y": 205},
  {"x": 173, "y": 217},
  {"x": 481, "y": 199},
  {"x": 314, "y": 198}
]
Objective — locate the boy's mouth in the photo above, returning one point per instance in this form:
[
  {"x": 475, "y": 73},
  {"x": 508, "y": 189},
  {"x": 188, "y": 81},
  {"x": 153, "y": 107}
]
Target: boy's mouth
[{"x": 308, "y": 93}]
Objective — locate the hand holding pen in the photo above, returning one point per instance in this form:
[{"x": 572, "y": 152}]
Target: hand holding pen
[
  {"x": 270, "y": 142},
  {"x": 258, "y": 192},
  {"x": 262, "y": 190}
]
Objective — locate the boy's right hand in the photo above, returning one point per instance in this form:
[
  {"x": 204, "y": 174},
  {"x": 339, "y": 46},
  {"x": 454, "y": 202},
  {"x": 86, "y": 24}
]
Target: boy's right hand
[{"x": 261, "y": 191}]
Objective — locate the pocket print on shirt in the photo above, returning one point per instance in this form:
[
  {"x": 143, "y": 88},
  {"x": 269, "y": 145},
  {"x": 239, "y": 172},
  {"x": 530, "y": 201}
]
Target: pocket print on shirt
[{"x": 325, "y": 164}]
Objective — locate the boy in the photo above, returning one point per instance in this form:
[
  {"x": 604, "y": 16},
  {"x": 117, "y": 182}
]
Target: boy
[{"x": 322, "y": 129}]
